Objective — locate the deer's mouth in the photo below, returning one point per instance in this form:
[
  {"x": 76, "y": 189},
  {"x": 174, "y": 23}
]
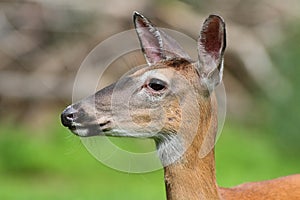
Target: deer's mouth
[
  {"x": 84, "y": 125},
  {"x": 90, "y": 130}
]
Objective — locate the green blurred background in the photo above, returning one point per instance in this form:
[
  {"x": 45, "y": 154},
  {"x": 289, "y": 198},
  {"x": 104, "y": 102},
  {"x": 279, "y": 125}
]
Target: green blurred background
[{"x": 42, "y": 44}]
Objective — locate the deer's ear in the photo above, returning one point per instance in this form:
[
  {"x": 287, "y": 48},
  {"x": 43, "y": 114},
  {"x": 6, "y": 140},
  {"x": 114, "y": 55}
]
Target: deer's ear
[
  {"x": 211, "y": 47},
  {"x": 156, "y": 44}
]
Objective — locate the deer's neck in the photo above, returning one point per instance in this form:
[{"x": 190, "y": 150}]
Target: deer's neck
[
  {"x": 192, "y": 176},
  {"x": 192, "y": 179}
]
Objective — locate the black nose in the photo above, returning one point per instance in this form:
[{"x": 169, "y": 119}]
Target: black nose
[{"x": 68, "y": 116}]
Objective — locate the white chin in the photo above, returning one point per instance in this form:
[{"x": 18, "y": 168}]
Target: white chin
[{"x": 81, "y": 132}]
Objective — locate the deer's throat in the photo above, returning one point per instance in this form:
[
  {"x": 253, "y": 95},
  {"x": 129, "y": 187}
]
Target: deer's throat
[
  {"x": 170, "y": 148},
  {"x": 189, "y": 166},
  {"x": 192, "y": 178},
  {"x": 187, "y": 174}
]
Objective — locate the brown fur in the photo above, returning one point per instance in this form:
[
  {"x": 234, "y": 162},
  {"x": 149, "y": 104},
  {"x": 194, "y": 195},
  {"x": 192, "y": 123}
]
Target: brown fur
[
  {"x": 277, "y": 189},
  {"x": 186, "y": 104},
  {"x": 194, "y": 178}
]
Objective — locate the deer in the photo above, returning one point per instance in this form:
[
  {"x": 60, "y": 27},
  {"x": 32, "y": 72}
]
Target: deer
[{"x": 172, "y": 101}]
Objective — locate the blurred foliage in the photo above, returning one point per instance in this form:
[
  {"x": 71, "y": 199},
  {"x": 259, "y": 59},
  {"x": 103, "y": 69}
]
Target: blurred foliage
[
  {"x": 50, "y": 163},
  {"x": 42, "y": 45},
  {"x": 284, "y": 116}
]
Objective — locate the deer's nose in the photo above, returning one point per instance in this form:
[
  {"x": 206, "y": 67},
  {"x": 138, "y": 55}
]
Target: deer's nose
[{"x": 68, "y": 116}]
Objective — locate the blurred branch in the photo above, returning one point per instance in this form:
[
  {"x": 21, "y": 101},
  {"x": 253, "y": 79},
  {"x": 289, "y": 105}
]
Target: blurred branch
[{"x": 24, "y": 86}]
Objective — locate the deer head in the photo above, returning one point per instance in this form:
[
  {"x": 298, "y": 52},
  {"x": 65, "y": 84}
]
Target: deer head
[{"x": 161, "y": 100}]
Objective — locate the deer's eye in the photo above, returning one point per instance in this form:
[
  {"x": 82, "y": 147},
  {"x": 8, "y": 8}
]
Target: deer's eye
[{"x": 156, "y": 84}]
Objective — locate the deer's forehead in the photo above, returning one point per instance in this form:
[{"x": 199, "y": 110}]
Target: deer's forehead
[{"x": 164, "y": 73}]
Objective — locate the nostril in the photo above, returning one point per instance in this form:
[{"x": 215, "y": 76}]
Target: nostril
[{"x": 68, "y": 116}]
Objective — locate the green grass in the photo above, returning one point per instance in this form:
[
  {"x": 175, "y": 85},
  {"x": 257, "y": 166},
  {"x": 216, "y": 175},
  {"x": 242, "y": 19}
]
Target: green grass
[
  {"x": 53, "y": 164},
  {"x": 244, "y": 155}
]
